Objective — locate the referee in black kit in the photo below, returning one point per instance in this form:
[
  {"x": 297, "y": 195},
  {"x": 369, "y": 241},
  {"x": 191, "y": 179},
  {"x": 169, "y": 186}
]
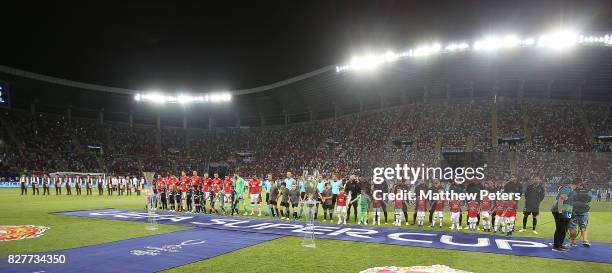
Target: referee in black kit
[{"x": 534, "y": 194}]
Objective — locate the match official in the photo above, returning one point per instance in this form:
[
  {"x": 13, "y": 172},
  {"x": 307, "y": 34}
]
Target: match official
[
  {"x": 534, "y": 194},
  {"x": 352, "y": 190}
]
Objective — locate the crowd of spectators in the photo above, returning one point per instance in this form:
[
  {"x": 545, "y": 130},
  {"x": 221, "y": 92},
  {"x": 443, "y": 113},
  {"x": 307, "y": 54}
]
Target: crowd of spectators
[
  {"x": 351, "y": 144},
  {"x": 556, "y": 126},
  {"x": 600, "y": 118}
]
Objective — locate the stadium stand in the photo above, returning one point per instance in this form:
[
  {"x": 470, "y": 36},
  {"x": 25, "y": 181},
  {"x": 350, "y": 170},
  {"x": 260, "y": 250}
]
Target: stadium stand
[{"x": 346, "y": 145}]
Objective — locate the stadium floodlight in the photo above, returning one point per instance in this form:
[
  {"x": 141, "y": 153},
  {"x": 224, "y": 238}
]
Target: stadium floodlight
[
  {"x": 154, "y": 97},
  {"x": 456, "y": 47},
  {"x": 426, "y": 50},
  {"x": 405, "y": 54},
  {"x": 595, "y": 39},
  {"x": 368, "y": 62},
  {"x": 528, "y": 41},
  {"x": 511, "y": 41},
  {"x": 558, "y": 40},
  {"x": 183, "y": 99},
  {"x": 218, "y": 97},
  {"x": 489, "y": 43},
  {"x": 390, "y": 56}
]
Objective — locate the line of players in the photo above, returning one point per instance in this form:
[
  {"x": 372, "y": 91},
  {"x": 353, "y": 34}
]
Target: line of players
[
  {"x": 121, "y": 185},
  {"x": 224, "y": 196},
  {"x": 494, "y": 215},
  {"x": 285, "y": 200}
]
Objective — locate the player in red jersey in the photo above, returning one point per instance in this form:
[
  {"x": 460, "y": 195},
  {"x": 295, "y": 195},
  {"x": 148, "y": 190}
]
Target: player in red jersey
[
  {"x": 161, "y": 191},
  {"x": 255, "y": 194},
  {"x": 510, "y": 215},
  {"x": 473, "y": 209},
  {"x": 421, "y": 208},
  {"x": 341, "y": 206},
  {"x": 376, "y": 206},
  {"x": 455, "y": 209},
  {"x": 227, "y": 194},
  {"x": 215, "y": 197},
  {"x": 438, "y": 212},
  {"x": 195, "y": 179},
  {"x": 206, "y": 190},
  {"x": 175, "y": 199},
  {"x": 499, "y": 216},
  {"x": 185, "y": 180},
  {"x": 399, "y": 206},
  {"x": 196, "y": 183},
  {"x": 485, "y": 208}
]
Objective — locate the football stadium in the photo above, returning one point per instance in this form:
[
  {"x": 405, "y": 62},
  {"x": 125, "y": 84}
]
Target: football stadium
[{"x": 277, "y": 136}]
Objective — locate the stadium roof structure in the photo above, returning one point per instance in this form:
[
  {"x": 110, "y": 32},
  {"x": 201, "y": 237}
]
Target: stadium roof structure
[{"x": 582, "y": 73}]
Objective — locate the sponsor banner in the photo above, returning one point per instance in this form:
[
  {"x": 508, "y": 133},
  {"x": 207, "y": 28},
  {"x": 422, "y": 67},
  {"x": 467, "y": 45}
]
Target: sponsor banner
[
  {"x": 145, "y": 254},
  {"x": 520, "y": 246},
  {"x": 17, "y": 184},
  {"x": 9, "y": 184}
]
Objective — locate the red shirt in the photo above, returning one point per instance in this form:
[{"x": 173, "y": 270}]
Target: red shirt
[
  {"x": 486, "y": 204},
  {"x": 376, "y": 204},
  {"x": 341, "y": 199},
  {"x": 216, "y": 184},
  {"x": 399, "y": 204},
  {"x": 499, "y": 208},
  {"x": 206, "y": 182},
  {"x": 163, "y": 183},
  {"x": 173, "y": 183},
  {"x": 421, "y": 204},
  {"x": 455, "y": 205},
  {"x": 472, "y": 209},
  {"x": 196, "y": 180},
  {"x": 254, "y": 185},
  {"x": 440, "y": 205},
  {"x": 510, "y": 209},
  {"x": 227, "y": 186},
  {"x": 184, "y": 182}
]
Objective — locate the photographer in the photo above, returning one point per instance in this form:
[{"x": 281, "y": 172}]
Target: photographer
[
  {"x": 580, "y": 215},
  {"x": 562, "y": 212}
]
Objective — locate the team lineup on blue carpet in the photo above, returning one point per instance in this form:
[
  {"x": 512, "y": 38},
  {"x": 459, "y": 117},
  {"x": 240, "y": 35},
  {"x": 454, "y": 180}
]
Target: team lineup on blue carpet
[{"x": 285, "y": 199}]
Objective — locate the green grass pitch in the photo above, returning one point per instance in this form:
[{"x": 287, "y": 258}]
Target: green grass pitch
[{"x": 280, "y": 255}]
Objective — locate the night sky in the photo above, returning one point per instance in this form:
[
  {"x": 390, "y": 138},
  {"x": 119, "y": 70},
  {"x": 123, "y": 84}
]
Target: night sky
[{"x": 181, "y": 45}]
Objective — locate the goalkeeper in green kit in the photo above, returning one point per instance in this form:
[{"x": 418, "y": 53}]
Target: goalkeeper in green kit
[
  {"x": 363, "y": 202},
  {"x": 239, "y": 188}
]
